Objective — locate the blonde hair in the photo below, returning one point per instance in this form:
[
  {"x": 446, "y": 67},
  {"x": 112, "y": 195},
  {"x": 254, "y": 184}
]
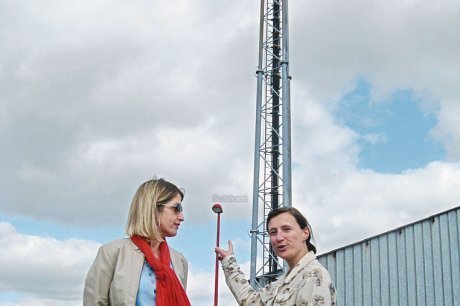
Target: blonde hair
[{"x": 145, "y": 206}]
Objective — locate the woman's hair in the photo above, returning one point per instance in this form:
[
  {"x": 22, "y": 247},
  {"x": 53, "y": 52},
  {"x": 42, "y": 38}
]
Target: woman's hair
[
  {"x": 143, "y": 213},
  {"x": 301, "y": 220}
]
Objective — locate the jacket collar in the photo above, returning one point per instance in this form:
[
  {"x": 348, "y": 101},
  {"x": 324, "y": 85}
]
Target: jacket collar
[{"x": 309, "y": 257}]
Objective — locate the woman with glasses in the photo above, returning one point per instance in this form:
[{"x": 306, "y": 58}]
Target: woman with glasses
[
  {"x": 143, "y": 269},
  {"x": 306, "y": 282}
]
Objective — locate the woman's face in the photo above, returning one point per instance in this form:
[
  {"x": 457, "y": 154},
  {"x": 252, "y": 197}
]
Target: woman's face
[
  {"x": 170, "y": 217},
  {"x": 287, "y": 238}
]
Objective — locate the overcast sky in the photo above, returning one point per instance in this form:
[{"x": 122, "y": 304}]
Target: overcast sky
[{"x": 98, "y": 96}]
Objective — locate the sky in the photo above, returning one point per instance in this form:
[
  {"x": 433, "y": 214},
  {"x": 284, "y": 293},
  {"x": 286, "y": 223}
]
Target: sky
[{"x": 97, "y": 97}]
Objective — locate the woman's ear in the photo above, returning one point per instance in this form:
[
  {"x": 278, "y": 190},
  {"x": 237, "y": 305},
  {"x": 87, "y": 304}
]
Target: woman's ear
[{"x": 306, "y": 233}]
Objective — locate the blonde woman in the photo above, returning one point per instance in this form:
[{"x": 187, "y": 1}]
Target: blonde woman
[
  {"x": 306, "y": 282},
  {"x": 143, "y": 269}
]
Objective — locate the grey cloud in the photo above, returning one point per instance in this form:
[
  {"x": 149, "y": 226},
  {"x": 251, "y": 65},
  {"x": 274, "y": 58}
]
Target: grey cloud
[{"x": 89, "y": 92}]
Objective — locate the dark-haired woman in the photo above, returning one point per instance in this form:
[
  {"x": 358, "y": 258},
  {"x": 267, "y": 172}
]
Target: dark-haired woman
[{"x": 306, "y": 282}]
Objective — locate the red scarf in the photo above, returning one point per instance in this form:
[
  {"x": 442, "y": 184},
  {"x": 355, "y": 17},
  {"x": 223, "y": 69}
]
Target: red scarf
[{"x": 169, "y": 291}]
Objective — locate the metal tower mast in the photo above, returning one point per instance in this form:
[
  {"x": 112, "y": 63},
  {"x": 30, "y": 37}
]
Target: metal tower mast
[{"x": 272, "y": 154}]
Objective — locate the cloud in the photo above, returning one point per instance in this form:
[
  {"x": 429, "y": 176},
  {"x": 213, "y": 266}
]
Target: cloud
[
  {"x": 381, "y": 40},
  {"x": 447, "y": 128},
  {"x": 43, "y": 267},
  {"x": 106, "y": 103},
  {"x": 42, "y": 302},
  {"x": 103, "y": 101}
]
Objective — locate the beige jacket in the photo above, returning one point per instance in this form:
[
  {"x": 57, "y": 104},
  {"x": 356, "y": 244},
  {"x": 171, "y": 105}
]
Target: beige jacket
[
  {"x": 307, "y": 284},
  {"x": 113, "y": 279}
]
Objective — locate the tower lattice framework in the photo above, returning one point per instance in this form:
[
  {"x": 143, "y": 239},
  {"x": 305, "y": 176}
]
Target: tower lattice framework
[{"x": 272, "y": 154}]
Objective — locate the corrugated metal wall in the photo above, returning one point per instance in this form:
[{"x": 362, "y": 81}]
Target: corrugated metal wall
[{"x": 414, "y": 265}]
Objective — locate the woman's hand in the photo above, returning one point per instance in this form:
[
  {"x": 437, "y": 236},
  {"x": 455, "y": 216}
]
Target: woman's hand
[{"x": 221, "y": 253}]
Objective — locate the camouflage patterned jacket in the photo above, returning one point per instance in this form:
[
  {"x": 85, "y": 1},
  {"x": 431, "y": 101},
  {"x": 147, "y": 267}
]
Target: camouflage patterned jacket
[{"x": 308, "y": 283}]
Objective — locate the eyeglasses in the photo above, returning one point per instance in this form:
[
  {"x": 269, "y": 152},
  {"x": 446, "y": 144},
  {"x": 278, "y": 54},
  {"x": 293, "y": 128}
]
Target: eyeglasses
[{"x": 177, "y": 209}]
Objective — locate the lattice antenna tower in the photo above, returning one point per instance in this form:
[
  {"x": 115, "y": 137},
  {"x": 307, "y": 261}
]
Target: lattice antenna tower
[{"x": 272, "y": 154}]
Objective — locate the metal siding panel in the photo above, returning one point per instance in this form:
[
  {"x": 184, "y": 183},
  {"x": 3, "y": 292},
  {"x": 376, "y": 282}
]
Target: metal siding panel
[
  {"x": 437, "y": 262},
  {"x": 323, "y": 260},
  {"x": 411, "y": 279},
  {"x": 458, "y": 226},
  {"x": 367, "y": 274},
  {"x": 419, "y": 264},
  {"x": 358, "y": 275},
  {"x": 341, "y": 293},
  {"x": 454, "y": 254},
  {"x": 414, "y": 265},
  {"x": 332, "y": 268},
  {"x": 393, "y": 268},
  {"x": 375, "y": 269},
  {"x": 428, "y": 256},
  {"x": 384, "y": 271},
  {"x": 402, "y": 267},
  {"x": 446, "y": 262},
  {"x": 349, "y": 291}
]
